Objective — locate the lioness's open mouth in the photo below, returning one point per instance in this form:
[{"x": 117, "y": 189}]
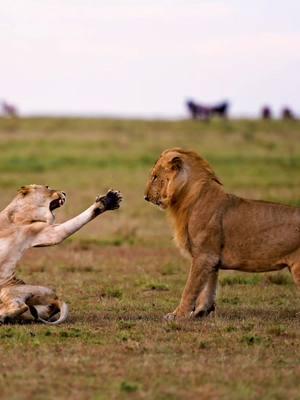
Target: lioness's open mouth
[{"x": 56, "y": 203}]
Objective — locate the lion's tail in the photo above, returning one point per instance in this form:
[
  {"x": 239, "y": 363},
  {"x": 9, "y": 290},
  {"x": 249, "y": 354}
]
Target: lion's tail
[{"x": 64, "y": 312}]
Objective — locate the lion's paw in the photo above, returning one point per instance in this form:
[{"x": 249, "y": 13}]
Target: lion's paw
[
  {"x": 177, "y": 315},
  {"x": 170, "y": 317},
  {"x": 203, "y": 312}
]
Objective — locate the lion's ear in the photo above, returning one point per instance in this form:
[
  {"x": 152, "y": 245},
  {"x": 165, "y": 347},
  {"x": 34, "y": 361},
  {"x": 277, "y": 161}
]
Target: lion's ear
[
  {"x": 24, "y": 190},
  {"x": 176, "y": 163}
]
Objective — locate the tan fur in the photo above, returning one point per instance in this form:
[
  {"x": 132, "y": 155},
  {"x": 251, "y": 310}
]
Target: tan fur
[
  {"x": 218, "y": 230},
  {"x": 28, "y": 221}
]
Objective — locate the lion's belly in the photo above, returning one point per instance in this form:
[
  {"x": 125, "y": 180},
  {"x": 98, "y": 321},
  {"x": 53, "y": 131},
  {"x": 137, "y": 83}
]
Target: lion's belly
[
  {"x": 251, "y": 264},
  {"x": 261, "y": 238},
  {"x": 258, "y": 253}
]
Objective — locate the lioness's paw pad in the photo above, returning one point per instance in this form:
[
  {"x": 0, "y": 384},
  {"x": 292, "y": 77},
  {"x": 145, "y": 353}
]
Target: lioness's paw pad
[
  {"x": 114, "y": 198},
  {"x": 110, "y": 201}
]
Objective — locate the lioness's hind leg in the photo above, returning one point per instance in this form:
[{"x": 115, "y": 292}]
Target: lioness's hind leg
[
  {"x": 44, "y": 312},
  {"x": 39, "y": 295},
  {"x": 44, "y": 305},
  {"x": 21, "y": 298},
  {"x": 12, "y": 305}
]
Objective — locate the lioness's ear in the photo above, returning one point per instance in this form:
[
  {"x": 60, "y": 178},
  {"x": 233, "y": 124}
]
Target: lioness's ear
[
  {"x": 176, "y": 163},
  {"x": 24, "y": 190}
]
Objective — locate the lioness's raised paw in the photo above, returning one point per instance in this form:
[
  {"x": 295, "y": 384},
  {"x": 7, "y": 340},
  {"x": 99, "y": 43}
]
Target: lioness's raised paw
[{"x": 110, "y": 201}]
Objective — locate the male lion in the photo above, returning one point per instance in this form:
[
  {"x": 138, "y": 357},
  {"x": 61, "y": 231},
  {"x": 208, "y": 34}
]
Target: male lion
[
  {"x": 28, "y": 221},
  {"x": 219, "y": 230}
]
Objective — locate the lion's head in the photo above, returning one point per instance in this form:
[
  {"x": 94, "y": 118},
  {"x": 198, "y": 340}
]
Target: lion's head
[
  {"x": 177, "y": 173},
  {"x": 36, "y": 203}
]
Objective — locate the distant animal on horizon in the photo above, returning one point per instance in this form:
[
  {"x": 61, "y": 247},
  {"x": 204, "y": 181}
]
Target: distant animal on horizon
[
  {"x": 266, "y": 112},
  {"x": 28, "y": 221},
  {"x": 220, "y": 109},
  {"x": 204, "y": 112},
  {"x": 287, "y": 113},
  {"x": 9, "y": 110},
  {"x": 218, "y": 230}
]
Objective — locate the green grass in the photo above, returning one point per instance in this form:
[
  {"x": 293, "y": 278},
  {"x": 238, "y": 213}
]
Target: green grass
[{"x": 122, "y": 273}]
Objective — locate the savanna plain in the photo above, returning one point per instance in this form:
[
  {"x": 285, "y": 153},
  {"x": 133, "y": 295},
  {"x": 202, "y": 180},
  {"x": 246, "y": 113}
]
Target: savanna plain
[{"x": 121, "y": 273}]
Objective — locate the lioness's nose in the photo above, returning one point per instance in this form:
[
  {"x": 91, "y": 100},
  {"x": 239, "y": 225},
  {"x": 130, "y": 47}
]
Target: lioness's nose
[{"x": 146, "y": 198}]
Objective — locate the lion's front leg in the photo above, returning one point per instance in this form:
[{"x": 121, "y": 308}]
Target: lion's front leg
[
  {"x": 205, "y": 303},
  {"x": 197, "y": 280}
]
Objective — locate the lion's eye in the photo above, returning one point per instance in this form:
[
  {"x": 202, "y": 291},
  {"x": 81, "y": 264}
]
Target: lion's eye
[{"x": 154, "y": 178}]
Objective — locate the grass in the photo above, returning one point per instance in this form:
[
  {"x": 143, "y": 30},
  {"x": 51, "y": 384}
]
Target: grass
[{"x": 122, "y": 273}]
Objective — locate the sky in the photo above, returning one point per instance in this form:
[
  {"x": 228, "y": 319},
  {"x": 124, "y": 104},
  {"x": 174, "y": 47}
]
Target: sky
[{"x": 145, "y": 58}]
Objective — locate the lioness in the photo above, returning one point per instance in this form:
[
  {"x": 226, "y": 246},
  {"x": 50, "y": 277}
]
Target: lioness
[
  {"x": 219, "y": 230},
  {"x": 28, "y": 221}
]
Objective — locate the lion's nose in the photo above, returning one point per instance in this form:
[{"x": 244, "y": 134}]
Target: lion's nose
[{"x": 146, "y": 198}]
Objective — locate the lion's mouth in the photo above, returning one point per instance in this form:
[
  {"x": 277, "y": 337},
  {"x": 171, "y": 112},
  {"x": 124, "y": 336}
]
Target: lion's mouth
[
  {"x": 56, "y": 203},
  {"x": 162, "y": 205},
  {"x": 159, "y": 203}
]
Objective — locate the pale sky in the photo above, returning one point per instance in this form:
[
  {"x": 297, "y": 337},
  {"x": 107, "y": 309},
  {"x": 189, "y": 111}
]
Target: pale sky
[{"x": 146, "y": 57}]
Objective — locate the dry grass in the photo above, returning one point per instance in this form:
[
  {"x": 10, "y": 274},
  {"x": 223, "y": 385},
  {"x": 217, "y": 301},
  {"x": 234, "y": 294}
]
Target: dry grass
[{"x": 121, "y": 273}]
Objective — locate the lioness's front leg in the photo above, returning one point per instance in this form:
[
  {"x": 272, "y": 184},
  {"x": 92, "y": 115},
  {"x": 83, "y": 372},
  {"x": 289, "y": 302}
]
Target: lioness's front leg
[
  {"x": 197, "y": 279},
  {"x": 54, "y": 234}
]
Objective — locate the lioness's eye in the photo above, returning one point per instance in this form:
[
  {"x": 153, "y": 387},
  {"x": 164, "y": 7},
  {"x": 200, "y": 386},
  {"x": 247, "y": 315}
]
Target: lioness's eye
[{"x": 154, "y": 178}]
